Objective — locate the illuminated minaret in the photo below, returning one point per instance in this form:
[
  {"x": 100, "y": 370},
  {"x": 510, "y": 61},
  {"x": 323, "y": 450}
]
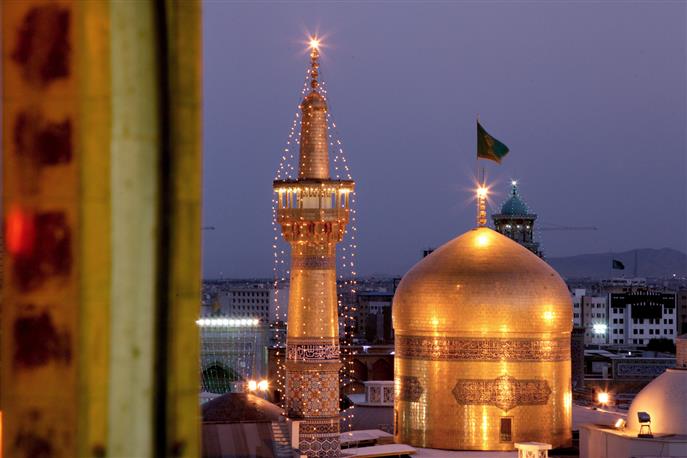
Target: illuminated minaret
[{"x": 313, "y": 212}]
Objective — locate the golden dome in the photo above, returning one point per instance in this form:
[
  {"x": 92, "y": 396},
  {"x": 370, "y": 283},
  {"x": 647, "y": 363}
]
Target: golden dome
[
  {"x": 482, "y": 348},
  {"x": 482, "y": 283}
]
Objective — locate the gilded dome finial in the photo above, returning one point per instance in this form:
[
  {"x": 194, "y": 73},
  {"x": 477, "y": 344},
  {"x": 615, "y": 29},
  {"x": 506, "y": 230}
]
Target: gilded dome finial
[
  {"x": 314, "y": 62},
  {"x": 482, "y": 192}
]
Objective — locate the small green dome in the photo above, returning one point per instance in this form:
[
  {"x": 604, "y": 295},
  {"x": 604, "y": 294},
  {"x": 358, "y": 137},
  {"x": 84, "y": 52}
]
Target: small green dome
[{"x": 514, "y": 205}]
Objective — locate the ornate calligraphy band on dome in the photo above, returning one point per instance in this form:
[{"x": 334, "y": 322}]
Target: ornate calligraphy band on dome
[
  {"x": 313, "y": 262},
  {"x": 504, "y": 392},
  {"x": 482, "y": 349}
]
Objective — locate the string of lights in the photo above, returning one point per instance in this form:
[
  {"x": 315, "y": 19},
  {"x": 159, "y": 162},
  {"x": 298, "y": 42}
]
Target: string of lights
[
  {"x": 285, "y": 171},
  {"x": 347, "y": 275}
]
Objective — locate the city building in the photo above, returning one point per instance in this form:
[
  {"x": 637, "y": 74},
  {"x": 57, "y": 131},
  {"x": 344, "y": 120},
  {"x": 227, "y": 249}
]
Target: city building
[
  {"x": 622, "y": 285},
  {"x": 577, "y": 357},
  {"x": 682, "y": 309},
  {"x": 638, "y": 317},
  {"x": 373, "y": 323},
  {"x": 255, "y": 301},
  {"x": 625, "y": 313},
  {"x": 623, "y": 371},
  {"x": 516, "y": 222},
  {"x": 594, "y": 318},
  {"x": 313, "y": 212},
  {"x": 480, "y": 367}
]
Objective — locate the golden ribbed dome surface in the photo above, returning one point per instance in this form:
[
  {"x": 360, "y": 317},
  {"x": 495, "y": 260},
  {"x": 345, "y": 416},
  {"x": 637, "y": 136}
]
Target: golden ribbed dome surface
[{"x": 482, "y": 283}]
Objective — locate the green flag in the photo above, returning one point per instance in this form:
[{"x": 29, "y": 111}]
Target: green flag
[{"x": 488, "y": 147}]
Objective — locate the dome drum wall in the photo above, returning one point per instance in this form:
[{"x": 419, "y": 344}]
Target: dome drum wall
[
  {"x": 482, "y": 348},
  {"x": 459, "y": 406}
]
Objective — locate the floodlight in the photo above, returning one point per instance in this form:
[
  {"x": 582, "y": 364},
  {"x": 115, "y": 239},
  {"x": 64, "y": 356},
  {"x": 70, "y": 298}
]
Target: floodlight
[
  {"x": 599, "y": 328},
  {"x": 645, "y": 424},
  {"x": 603, "y": 397}
]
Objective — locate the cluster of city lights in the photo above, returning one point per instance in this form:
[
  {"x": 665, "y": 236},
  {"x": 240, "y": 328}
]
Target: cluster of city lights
[
  {"x": 254, "y": 385},
  {"x": 216, "y": 322}
]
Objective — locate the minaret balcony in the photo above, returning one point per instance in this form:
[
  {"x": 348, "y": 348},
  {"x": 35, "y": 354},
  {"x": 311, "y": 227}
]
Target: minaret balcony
[
  {"x": 314, "y": 200},
  {"x": 314, "y": 211},
  {"x": 312, "y": 215}
]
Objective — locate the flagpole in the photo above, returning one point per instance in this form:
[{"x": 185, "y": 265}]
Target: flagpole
[
  {"x": 487, "y": 148},
  {"x": 480, "y": 169},
  {"x": 481, "y": 193},
  {"x": 477, "y": 155}
]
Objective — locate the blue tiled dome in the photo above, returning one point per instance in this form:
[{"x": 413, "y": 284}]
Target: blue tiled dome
[{"x": 514, "y": 205}]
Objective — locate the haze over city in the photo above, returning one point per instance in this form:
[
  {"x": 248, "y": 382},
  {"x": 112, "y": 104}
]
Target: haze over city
[{"x": 590, "y": 99}]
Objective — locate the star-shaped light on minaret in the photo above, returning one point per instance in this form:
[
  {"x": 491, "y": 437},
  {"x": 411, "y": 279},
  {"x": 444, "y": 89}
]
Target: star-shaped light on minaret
[{"x": 314, "y": 43}]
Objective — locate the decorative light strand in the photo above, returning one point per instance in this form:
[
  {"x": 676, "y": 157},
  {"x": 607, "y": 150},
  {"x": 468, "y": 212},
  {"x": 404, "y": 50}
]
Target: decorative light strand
[
  {"x": 347, "y": 274},
  {"x": 285, "y": 171}
]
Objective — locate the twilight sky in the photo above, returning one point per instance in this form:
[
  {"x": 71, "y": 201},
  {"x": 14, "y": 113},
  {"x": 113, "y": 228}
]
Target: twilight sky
[{"x": 589, "y": 96}]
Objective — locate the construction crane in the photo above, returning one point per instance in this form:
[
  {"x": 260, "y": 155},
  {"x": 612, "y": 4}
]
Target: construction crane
[
  {"x": 570, "y": 228},
  {"x": 558, "y": 227}
]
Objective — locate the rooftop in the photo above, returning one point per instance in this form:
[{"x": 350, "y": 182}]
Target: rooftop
[{"x": 514, "y": 206}]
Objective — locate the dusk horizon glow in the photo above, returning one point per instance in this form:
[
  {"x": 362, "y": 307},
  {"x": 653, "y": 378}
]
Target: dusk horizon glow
[{"x": 590, "y": 99}]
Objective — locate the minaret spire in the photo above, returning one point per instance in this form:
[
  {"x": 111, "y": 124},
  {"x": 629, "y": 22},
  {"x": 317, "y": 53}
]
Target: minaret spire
[
  {"x": 314, "y": 154},
  {"x": 314, "y": 63}
]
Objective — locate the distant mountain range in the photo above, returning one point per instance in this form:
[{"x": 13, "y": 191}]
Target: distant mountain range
[{"x": 651, "y": 263}]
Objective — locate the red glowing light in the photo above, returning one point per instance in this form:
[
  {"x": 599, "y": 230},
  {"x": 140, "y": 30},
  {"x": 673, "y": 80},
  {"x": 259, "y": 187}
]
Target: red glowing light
[{"x": 20, "y": 232}]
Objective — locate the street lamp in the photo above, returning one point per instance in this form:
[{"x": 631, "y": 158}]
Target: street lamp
[{"x": 603, "y": 398}]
